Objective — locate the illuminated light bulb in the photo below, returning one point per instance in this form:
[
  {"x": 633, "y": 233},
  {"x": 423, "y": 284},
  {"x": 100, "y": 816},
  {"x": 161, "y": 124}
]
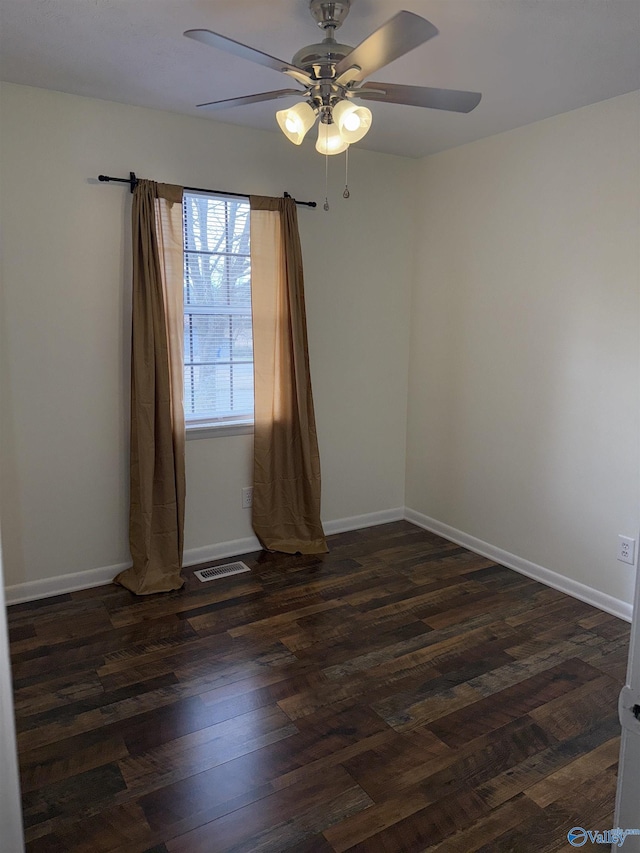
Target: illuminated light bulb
[
  {"x": 329, "y": 140},
  {"x": 353, "y": 122},
  {"x": 293, "y": 124},
  {"x": 296, "y": 121}
]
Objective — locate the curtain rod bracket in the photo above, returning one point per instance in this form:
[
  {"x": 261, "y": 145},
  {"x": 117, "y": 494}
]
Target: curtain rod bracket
[
  {"x": 132, "y": 180},
  {"x": 305, "y": 203}
]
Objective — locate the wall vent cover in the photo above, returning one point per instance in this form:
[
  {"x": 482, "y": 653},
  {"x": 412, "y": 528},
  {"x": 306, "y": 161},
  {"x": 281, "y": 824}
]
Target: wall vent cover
[{"x": 224, "y": 571}]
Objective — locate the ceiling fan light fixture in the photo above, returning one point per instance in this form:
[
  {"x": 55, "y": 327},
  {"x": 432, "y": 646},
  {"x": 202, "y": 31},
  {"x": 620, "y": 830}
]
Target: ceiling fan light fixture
[
  {"x": 295, "y": 122},
  {"x": 330, "y": 140},
  {"x": 353, "y": 121},
  {"x": 333, "y": 74}
]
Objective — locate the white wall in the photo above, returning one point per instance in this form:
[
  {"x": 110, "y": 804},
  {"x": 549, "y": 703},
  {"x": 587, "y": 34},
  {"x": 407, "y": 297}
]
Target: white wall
[
  {"x": 66, "y": 333},
  {"x": 10, "y": 806},
  {"x": 524, "y": 382}
]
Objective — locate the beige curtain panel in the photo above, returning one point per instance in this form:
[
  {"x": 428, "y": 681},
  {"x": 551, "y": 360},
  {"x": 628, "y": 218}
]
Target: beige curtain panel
[
  {"x": 157, "y": 479},
  {"x": 286, "y": 474}
]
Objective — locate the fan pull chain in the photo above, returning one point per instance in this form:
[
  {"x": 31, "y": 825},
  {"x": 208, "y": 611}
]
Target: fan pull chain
[
  {"x": 346, "y": 192},
  {"x": 326, "y": 182}
]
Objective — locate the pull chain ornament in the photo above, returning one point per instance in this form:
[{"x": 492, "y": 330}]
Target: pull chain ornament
[
  {"x": 326, "y": 182},
  {"x": 346, "y": 192}
]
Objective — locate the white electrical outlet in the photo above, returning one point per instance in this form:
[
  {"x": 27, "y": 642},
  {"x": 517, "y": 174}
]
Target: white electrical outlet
[
  {"x": 626, "y": 550},
  {"x": 247, "y": 497}
]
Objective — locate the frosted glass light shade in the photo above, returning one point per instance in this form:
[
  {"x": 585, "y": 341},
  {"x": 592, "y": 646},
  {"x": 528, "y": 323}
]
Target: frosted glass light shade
[
  {"x": 353, "y": 121},
  {"x": 296, "y": 121},
  {"x": 329, "y": 140}
]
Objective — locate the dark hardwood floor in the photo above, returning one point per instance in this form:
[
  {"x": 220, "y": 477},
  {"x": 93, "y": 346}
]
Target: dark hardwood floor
[{"x": 397, "y": 695}]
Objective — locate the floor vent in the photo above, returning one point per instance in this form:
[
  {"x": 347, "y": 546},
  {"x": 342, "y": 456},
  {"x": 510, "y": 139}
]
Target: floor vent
[{"x": 225, "y": 571}]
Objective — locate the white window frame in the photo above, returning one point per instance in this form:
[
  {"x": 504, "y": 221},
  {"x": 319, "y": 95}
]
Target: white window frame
[{"x": 197, "y": 428}]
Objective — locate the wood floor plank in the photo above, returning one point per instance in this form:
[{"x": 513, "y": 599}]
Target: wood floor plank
[
  {"x": 600, "y": 789},
  {"x": 543, "y": 832},
  {"x": 115, "y": 827},
  {"x": 331, "y": 759},
  {"x": 68, "y": 758},
  {"x": 372, "y": 821},
  {"x": 278, "y": 622},
  {"x": 51, "y": 693},
  {"x": 399, "y": 694},
  {"x": 582, "y": 770},
  {"x": 429, "y": 648},
  {"x": 577, "y": 710},
  {"x": 73, "y": 656},
  {"x": 429, "y": 761},
  {"x": 451, "y": 687},
  {"x": 526, "y": 697},
  {"x": 533, "y": 770},
  {"x": 336, "y": 644},
  {"x": 399, "y": 761},
  {"x": 411, "y": 833},
  {"x": 205, "y": 748},
  {"x": 310, "y": 809},
  {"x": 179, "y": 602},
  {"x": 486, "y": 829},
  {"x": 70, "y": 795}
]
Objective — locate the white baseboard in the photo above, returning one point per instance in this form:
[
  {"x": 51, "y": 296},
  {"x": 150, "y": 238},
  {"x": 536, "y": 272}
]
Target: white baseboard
[
  {"x": 48, "y": 587},
  {"x": 615, "y": 606},
  {"x": 359, "y": 522},
  {"x": 232, "y": 548}
]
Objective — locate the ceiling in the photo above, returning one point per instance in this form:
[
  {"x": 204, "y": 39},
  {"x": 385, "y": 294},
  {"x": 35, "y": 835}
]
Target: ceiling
[{"x": 531, "y": 59}]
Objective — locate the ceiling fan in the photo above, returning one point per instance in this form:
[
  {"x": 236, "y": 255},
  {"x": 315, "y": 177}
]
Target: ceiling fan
[{"x": 332, "y": 76}]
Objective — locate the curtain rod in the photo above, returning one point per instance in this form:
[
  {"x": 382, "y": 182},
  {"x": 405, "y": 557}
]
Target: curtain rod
[{"x": 132, "y": 180}]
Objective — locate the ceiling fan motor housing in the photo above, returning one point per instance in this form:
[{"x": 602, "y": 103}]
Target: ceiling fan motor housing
[
  {"x": 319, "y": 60},
  {"x": 328, "y": 14}
]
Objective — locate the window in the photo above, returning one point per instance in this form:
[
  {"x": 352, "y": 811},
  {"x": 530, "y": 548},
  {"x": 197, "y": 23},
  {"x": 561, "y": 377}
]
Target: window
[{"x": 218, "y": 342}]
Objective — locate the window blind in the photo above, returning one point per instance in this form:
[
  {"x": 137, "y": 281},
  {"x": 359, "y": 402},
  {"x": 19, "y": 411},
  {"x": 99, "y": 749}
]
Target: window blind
[{"x": 218, "y": 340}]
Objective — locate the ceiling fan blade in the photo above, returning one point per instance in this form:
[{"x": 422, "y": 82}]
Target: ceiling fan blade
[
  {"x": 245, "y": 52},
  {"x": 398, "y": 36},
  {"x": 252, "y": 99},
  {"x": 420, "y": 96}
]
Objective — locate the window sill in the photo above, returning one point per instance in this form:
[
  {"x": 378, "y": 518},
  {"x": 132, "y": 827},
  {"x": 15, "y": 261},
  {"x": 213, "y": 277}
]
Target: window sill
[{"x": 214, "y": 430}]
